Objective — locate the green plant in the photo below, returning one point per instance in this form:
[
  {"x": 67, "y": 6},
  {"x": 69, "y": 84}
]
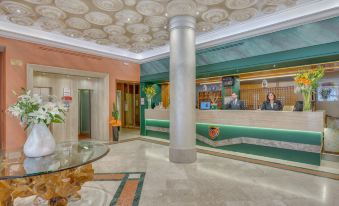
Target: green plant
[{"x": 115, "y": 112}]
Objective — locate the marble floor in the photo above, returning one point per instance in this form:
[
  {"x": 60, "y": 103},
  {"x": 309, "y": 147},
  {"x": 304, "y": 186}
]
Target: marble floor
[
  {"x": 214, "y": 180},
  {"x": 128, "y": 133}
]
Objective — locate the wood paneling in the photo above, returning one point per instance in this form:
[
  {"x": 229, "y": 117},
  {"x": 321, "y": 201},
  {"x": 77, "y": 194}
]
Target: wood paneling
[
  {"x": 306, "y": 121},
  {"x": 253, "y": 98},
  {"x": 165, "y": 95}
]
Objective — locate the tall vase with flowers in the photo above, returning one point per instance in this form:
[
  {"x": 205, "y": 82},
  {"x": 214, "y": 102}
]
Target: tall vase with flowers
[
  {"x": 37, "y": 116},
  {"x": 307, "y": 81},
  {"x": 150, "y": 93}
]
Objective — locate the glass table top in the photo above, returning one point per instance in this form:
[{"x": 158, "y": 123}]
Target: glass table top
[{"x": 68, "y": 155}]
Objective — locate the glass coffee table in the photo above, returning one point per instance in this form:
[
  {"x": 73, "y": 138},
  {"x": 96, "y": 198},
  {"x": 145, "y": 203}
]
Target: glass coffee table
[{"x": 55, "y": 179}]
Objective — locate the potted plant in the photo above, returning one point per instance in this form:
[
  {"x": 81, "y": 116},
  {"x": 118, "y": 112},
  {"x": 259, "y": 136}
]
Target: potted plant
[
  {"x": 37, "y": 116},
  {"x": 150, "y": 93},
  {"x": 115, "y": 122},
  {"x": 307, "y": 81}
]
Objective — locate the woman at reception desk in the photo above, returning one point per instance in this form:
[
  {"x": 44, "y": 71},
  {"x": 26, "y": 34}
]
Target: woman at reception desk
[
  {"x": 271, "y": 103},
  {"x": 291, "y": 136}
]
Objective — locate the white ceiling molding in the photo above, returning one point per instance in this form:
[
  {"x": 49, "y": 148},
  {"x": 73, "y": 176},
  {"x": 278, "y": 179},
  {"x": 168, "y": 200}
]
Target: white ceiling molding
[
  {"x": 141, "y": 51},
  {"x": 317, "y": 11}
]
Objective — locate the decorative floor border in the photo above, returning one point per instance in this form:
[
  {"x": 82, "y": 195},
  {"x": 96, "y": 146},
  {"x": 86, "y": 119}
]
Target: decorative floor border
[
  {"x": 129, "y": 190},
  {"x": 255, "y": 161}
]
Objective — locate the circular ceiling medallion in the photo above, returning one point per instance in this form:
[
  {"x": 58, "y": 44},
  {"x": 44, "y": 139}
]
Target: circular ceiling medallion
[
  {"x": 202, "y": 8},
  {"x": 128, "y": 16},
  {"x": 103, "y": 42},
  {"x": 50, "y": 12},
  {"x": 154, "y": 29},
  {"x": 214, "y": 15},
  {"x": 240, "y": 4},
  {"x": 21, "y": 20},
  {"x": 72, "y": 6},
  {"x": 48, "y": 24},
  {"x": 149, "y": 8},
  {"x": 274, "y": 2},
  {"x": 109, "y": 5},
  {"x": 130, "y": 2},
  {"x": 269, "y": 9},
  {"x": 114, "y": 30},
  {"x": 224, "y": 23},
  {"x": 158, "y": 42},
  {"x": 78, "y": 23},
  {"x": 72, "y": 33},
  {"x": 141, "y": 37},
  {"x": 155, "y": 21},
  {"x": 140, "y": 46},
  {"x": 119, "y": 39},
  {"x": 98, "y": 18},
  {"x": 181, "y": 7},
  {"x": 124, "y": 46},
  {"x": 17, "y": 9},
  {"x": 204, "y": 26},
  {"x": 209, "y": 2},
  {"x": 135, "y": 50},
  {"x": 137, "y": 28},
  {"x": 40, "y": 1},
  {"x": 164, "y": 35},
  {"x": 243, "y": 14},
  {"x": 95, "y": 34}
]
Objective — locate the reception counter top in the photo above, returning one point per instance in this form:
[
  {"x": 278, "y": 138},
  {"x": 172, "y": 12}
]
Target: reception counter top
[
  {"x": 293, "y": 136},
  {"x": 306, "y": 121}
]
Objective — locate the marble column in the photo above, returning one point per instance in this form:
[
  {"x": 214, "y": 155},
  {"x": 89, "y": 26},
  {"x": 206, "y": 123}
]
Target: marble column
[{"x": 182, "y": 89}]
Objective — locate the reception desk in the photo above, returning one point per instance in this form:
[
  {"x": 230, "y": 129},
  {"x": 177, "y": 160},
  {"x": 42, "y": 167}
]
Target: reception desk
[{"x": 292, "y": 136}]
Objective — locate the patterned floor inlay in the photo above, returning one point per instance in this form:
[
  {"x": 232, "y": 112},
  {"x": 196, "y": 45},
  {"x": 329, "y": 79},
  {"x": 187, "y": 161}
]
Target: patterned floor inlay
[{"x": 129, "y": 190}]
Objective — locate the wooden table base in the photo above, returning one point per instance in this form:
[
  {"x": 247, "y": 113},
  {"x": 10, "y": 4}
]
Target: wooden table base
[{"x": 56, "y": 188}]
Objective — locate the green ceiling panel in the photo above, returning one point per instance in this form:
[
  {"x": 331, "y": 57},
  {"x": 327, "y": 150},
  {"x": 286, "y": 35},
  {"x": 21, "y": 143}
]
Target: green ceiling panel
[{"x": 318, "y": 33}]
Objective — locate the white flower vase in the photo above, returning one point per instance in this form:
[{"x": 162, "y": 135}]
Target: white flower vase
[{"x": 40, "y": 142}]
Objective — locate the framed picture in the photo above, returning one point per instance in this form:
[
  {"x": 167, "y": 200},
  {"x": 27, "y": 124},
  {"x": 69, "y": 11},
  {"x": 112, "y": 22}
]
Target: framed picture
[{"x": 328, "y": 93}]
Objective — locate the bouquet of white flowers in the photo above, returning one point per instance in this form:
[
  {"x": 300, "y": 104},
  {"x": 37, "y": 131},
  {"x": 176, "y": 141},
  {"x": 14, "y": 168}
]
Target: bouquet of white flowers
[{"x": 30, "y": 109}]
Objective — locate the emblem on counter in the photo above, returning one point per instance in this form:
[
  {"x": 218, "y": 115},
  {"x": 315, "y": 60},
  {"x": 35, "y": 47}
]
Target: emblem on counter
[{"x": 213, "y": 132}]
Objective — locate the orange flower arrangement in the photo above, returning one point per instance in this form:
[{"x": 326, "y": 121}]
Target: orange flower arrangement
[{"x": 307, "y": 82}]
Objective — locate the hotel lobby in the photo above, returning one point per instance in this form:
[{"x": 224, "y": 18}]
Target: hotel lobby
[{"x": 169, "y": 102}]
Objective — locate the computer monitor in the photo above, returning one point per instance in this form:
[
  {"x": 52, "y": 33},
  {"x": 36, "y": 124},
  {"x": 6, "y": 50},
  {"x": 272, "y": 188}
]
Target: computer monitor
[
  {"x": 298, "y": 106},
  {"x": 205, "y": 105}
]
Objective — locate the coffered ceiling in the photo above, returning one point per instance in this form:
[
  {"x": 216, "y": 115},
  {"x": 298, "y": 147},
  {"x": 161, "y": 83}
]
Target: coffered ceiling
[{"x": 137, "y": 29}]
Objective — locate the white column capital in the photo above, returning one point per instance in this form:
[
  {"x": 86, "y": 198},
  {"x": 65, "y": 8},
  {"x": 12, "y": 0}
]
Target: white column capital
[{"x": 179, "y": 22}]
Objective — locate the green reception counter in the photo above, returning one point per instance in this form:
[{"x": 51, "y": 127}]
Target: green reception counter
[{"x": 292, "y": 136}]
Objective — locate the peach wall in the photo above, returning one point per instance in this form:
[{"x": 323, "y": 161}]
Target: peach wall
[{"x": 30, "y": 53}]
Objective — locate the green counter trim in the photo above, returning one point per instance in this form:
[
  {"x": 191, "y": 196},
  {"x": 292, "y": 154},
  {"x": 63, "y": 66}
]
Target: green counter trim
[
  {"x": 232, "y": 131},
  {"x": 157, "y": 123},
  {"x": 313, "y": 139}
]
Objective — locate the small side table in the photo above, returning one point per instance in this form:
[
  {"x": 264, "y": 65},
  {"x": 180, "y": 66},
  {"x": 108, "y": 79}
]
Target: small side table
[{"x": 55, "y": 178}]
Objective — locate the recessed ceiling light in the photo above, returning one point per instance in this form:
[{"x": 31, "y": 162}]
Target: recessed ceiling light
[
  {"x": 88, "y": 78},
  {"x": 166, "y": 14},
  {"x": 18, "y": 10}
]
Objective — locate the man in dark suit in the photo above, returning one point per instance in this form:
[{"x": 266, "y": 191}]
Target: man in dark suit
[{"x": 235, "y": 104}]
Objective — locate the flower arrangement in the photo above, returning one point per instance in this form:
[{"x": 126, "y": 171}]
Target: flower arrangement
[
  {"x": 150, "y": 93},
  {"x": 30, "y": 109},
  {"x": 307, "y": 81}
]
